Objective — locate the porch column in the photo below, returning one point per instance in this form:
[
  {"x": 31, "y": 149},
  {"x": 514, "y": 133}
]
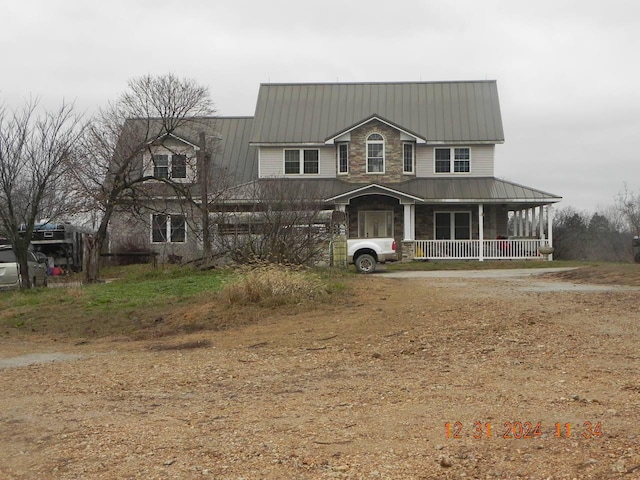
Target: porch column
[
  {"x": 481, "y": 231},
  {"x": 534, "y": 227},
  {"x": 550, "y": 227},
  {"x": 409, "y": 222},
  {"x": 521, "y": 223},
  {"x": 526, "y": 222}
]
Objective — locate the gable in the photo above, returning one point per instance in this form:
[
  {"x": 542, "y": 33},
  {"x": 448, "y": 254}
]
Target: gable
[
  {"x": 439, "y": 112},
  {"x": 345, "y": 135},
  {"x": 227, "y": 138}
]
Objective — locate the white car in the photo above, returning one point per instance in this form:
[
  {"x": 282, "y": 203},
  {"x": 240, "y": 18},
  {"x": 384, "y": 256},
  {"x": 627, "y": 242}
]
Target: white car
[{"x": 10, "y": 270}]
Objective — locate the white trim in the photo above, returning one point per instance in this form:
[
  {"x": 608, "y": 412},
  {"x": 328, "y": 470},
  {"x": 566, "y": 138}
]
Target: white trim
[
  {"x": 395, "y": 193},
  {"x": 168, "y": 229},
  {"x": 180, "y": 139},
  {"x": 382, "y": 142},
  {"x": 169, "y": 166},
  {"x": 387, "y": 213},
  {"x": 452, "y": 160},
  {"x": 190, "y": 162},
  {"x": 288, "y": 145},
  {"x": 413, "y": 158},
  {"x": 409, "y": 226},
  {"x": 332, "y": 140},
  {"x": 452, "y": 223},
  {"x": 480, "y": 229},
  {"x": 338, "y": 145},
  {"x": 440, "y": 143},
  {"x": 301, "y": 171},
  {"x": 259, "y": 163}
]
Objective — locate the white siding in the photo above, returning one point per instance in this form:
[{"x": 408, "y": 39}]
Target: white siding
[
  {"x": 272, "y": 162},
  {"x": 481, "y": 162}
]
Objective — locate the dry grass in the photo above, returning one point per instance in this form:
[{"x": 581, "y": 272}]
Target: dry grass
[
  {"x": 606, "y": 273},
  {"x": 274, "y": 285}
]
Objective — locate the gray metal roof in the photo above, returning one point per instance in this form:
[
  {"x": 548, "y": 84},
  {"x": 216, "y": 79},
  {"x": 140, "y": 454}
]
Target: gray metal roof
[
  {"x": 422, "y": 190},
  {"x": 437, "y": 111},
  {"x": 475, "y": 190},
  {"x": 234, "y": 152}
]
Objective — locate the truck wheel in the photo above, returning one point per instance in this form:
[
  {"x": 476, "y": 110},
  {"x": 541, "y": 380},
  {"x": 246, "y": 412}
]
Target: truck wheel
[{"x": 365, "y": 263}]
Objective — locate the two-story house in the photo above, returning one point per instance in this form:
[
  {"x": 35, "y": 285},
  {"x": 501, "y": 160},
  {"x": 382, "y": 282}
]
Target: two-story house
[{"x": 409, "y": 160}]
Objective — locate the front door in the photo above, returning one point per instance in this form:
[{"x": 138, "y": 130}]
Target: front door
[{"x": 375, "y": 224}]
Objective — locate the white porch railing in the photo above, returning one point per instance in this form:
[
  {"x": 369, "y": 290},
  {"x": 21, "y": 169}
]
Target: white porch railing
[{"x": 470, "y": 249}]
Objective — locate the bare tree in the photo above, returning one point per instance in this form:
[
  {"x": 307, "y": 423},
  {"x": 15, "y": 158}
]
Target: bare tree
[
  {"x": 36, "y": 149},
  {"x": 112, "y": 175},
  {"x": 628, "y": 204},
  {"x": 285, "y": 224}
]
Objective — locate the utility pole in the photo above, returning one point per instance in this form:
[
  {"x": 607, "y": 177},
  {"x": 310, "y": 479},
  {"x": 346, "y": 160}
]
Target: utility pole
[{"x": 203, "y": 162}]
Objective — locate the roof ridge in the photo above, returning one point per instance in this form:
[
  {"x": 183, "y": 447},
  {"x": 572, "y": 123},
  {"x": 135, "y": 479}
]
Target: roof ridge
[{"x": 401, "y": 82}]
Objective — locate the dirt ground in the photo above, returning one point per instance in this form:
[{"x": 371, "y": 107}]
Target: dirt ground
[{"x": 360, "y": 389}]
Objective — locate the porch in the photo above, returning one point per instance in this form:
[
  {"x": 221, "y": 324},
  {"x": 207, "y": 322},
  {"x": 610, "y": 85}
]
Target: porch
[{"x": 453, "y": 219}]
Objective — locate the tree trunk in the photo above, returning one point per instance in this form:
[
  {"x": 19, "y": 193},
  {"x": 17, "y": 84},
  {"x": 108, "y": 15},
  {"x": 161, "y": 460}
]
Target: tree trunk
[
  {"x": 93, "y": 247},
  {"x": 21, "y": 252}
]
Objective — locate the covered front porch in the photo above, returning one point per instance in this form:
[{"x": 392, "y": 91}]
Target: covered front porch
[
  {"x": 504, "y": 222},
  {"x": 527, "y": 235}
]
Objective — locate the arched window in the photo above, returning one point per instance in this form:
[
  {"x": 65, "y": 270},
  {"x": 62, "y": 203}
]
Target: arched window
[{"x": 375, "y": 153}]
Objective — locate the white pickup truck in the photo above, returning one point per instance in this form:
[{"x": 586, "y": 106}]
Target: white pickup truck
[{"x": 365, "y": 253}]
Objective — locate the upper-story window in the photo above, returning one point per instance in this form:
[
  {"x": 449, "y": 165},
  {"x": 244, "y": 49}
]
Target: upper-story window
[
  {"x": 343, "y": 158},
  {"x": 408, "y": 157},
  {"x": 461, "y": 157},
  {"x": 301, "y": 161},
  {"x": 170, "y": 166},
  {"x": 375, "y": 153}
]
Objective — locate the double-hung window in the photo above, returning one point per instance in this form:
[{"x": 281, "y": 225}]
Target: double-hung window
[
  {"x": 161, "y": 166},
  {"x": 170, "y": 166},
  {"x": 375, "y": 153},
  {"x": 453, "y": 225},
  {"x": 343, "y": 158},
  {"x": 408, "y": 157},
  {"x": 168, "y": 228},
  {"x": 301, "y": 161},
  {"x": 461, "y": 157}
]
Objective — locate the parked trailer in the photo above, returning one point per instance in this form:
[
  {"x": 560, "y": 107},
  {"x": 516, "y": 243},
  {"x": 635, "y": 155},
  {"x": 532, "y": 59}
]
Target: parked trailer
[{"x": 62, "y": 243}]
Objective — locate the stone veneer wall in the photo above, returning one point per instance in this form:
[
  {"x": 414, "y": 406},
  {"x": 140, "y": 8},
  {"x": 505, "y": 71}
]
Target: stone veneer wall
[{"x": 358, "y": 155}]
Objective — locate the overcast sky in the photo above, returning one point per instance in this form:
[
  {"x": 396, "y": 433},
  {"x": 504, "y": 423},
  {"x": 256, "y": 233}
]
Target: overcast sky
[{"x": 568, "y": 72}]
